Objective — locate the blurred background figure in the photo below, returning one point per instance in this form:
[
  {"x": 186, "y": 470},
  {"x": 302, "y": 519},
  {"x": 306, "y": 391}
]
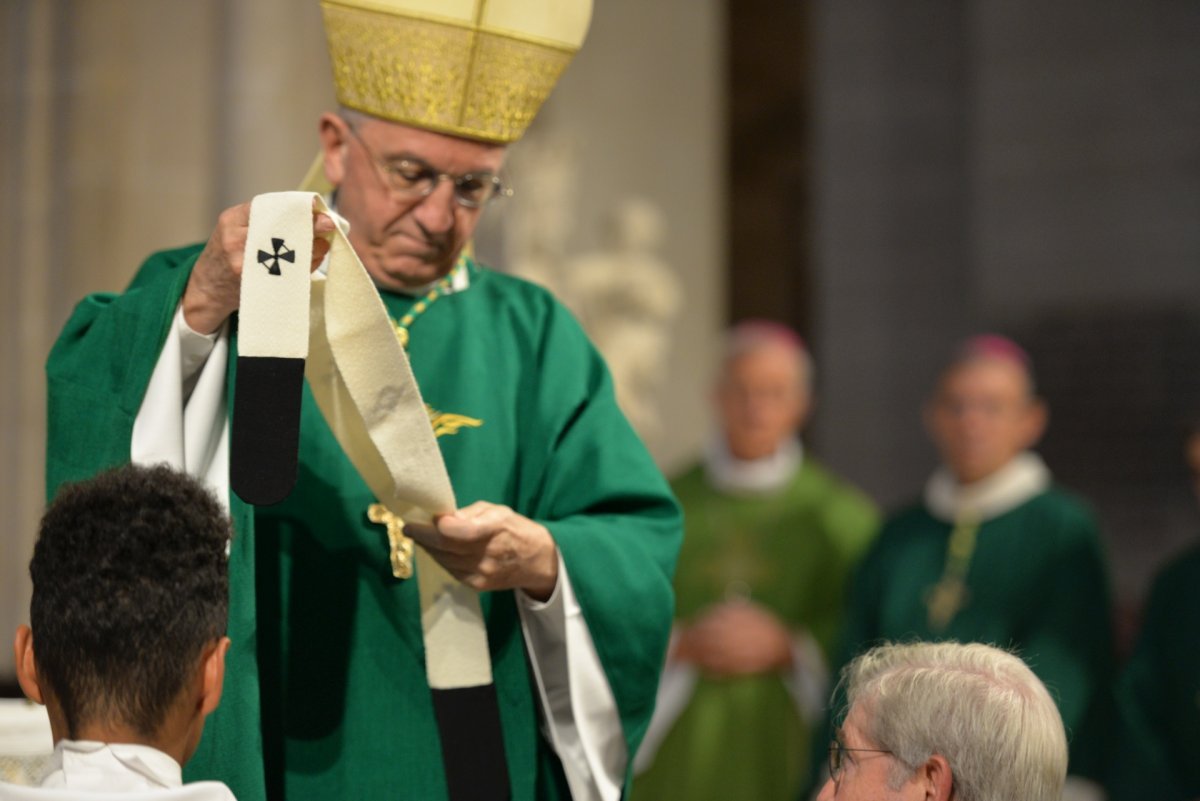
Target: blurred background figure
[
  {"x": 1157, "y": 753},
  {"x": 770, "y": 537},
  {"x": 994, "y": 552}
]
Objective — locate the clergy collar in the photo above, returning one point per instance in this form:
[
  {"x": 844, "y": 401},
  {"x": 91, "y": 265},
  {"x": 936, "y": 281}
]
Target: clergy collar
[
  {"x": 1012, "y": 485},
  {"x": 460, "y": 281},
  {"x": 83, "y": 763},
  {"x": 728, "y": 474}
]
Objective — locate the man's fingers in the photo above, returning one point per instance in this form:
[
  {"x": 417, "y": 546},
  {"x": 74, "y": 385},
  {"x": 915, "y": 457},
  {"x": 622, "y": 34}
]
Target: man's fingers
[
  {"x": 214, "y": 287},
  {"x": 423, "y": 533},
  {"x": 482, "y": 511},
  {"x": 323, "y": 224},
  {"x": 459, "y": 564},
  {"x": 235, "y": 216},
  {"x": 457, "y": 539},
  {"x": 477, "y": 571},
  {"x": 487, "y": 546},
  {"x": 233, "y": 225},
  {"x": 320, "y": 250},
  {"x": 467, "y": 525}
]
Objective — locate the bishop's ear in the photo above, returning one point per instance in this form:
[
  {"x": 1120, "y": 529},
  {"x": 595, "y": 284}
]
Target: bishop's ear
[
  {"x": 335, "y": 141},
  {"x": 27, "y": 675}
]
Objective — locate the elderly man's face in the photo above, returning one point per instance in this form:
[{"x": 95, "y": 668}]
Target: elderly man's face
[
  {"x": 762, "y": 400},
  {"x": 982, "y": 416},
  {"x": 865, "y": 770},
  {"x": 404, "y": 242}
]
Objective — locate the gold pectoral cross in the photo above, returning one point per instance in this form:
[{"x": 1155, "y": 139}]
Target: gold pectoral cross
[
  {"x": 944, "y": 600},
  {"x": 947, "y": 598},
  {"x": 401, "y": 547}
]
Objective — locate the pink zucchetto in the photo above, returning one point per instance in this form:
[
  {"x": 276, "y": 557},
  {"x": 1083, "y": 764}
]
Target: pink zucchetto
[
  {"x": 750, "y": 334},
  {"x": 994, "y": 347}
]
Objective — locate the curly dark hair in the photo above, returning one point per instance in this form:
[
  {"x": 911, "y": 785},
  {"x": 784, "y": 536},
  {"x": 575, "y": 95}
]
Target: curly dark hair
[{"x": 130, "y": 583}]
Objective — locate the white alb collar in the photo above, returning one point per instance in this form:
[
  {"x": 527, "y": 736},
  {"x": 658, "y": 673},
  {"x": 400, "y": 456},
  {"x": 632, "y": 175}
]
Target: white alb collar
[
  {"x": 88, "y": 765},
  {"x": 726, "y": 473},
  {"x": 1009, "y": 487}
]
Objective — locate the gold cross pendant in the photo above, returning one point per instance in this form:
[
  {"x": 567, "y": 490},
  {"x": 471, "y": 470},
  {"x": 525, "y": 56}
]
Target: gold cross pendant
[
  {"x": 401, "y": 546},
  {"x": 944, "y": 600}
]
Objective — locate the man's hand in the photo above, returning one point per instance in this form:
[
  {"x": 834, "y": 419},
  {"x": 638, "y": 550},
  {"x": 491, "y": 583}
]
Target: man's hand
[
  {"x": 214, "y": 289},
  {"x": 736, "y": 638},
  {"x": 491, "y": 547}
]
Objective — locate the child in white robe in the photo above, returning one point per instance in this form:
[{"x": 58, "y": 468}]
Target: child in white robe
[{"x": 126, "y": 646}]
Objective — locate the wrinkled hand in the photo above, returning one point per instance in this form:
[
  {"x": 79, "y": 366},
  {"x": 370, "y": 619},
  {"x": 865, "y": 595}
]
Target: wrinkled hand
[
  {"x": 214, "y": 289},
  {"x": 736, "y": 638},
  {"x": 491, "y": 547}
]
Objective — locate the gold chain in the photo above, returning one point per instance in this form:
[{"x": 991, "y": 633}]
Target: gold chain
[{"x": 441, "y": 288}]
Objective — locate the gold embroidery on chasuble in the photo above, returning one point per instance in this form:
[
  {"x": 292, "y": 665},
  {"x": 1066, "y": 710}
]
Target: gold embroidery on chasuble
[{"x": 447, "y": 423}]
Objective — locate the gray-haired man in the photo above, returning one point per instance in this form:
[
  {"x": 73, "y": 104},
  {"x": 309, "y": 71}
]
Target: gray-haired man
[{"x": 941, "y": 721}]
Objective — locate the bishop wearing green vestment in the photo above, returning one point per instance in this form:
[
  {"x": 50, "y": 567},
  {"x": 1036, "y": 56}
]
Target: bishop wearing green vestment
[
  {"x": 1157, "y": 753},
  {"x": 564, "y": 524},
  {"x": 995, "y": 552},
  {"x": 1157, "y": 747},
  {"x": 770, "y": 537}
]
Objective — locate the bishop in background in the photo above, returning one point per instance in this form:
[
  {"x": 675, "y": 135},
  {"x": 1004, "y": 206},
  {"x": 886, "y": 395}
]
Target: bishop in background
[
  {"x": 994, "y": 551},
  {"x": 771, "y": 537}
]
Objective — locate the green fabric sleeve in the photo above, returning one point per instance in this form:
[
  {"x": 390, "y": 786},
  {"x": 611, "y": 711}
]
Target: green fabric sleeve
[
  {"x": 98, "y": 369},
  {"x": 611, "y": 514},
  {"x": 1141, "y": 767},
  {"x": 1158, "y": 700}
]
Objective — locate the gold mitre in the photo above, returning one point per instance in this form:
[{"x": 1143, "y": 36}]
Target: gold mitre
[{"x": 474, "y": 68}]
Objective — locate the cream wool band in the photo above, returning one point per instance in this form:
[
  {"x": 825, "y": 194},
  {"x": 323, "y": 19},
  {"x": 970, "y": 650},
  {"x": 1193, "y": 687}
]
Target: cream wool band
[
  {"x": 273, "y": 320},
  {"x": 364, "y": 386}
]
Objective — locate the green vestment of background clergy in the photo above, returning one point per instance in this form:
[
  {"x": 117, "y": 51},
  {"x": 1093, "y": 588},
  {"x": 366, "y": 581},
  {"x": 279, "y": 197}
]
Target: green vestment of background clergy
[
  {"x": 791, "y": 551},
  {"x": 1036, "y": 583},
  {"x": 326, "y": 695},
  {"x": 1157, "y": 753}
]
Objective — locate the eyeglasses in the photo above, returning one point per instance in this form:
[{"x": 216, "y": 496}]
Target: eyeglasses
[
  {"x": 412, "y": 177},
  {"x": 838, "y": 756}
]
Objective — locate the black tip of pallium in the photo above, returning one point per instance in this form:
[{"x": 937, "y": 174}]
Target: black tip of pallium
[{"x": 265, "y": 440}]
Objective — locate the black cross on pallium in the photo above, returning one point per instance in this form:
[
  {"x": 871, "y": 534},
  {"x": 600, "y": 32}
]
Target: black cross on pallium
[{"x": 271, "y": 260}]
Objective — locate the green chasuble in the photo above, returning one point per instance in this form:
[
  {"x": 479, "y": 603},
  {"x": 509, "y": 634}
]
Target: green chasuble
[
  {"x": 326, "y": 695},
  {"x": 789, "y": 550},
  {"x": 1157, "y": 752},
  {"x": 1036, "y": 583}
]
